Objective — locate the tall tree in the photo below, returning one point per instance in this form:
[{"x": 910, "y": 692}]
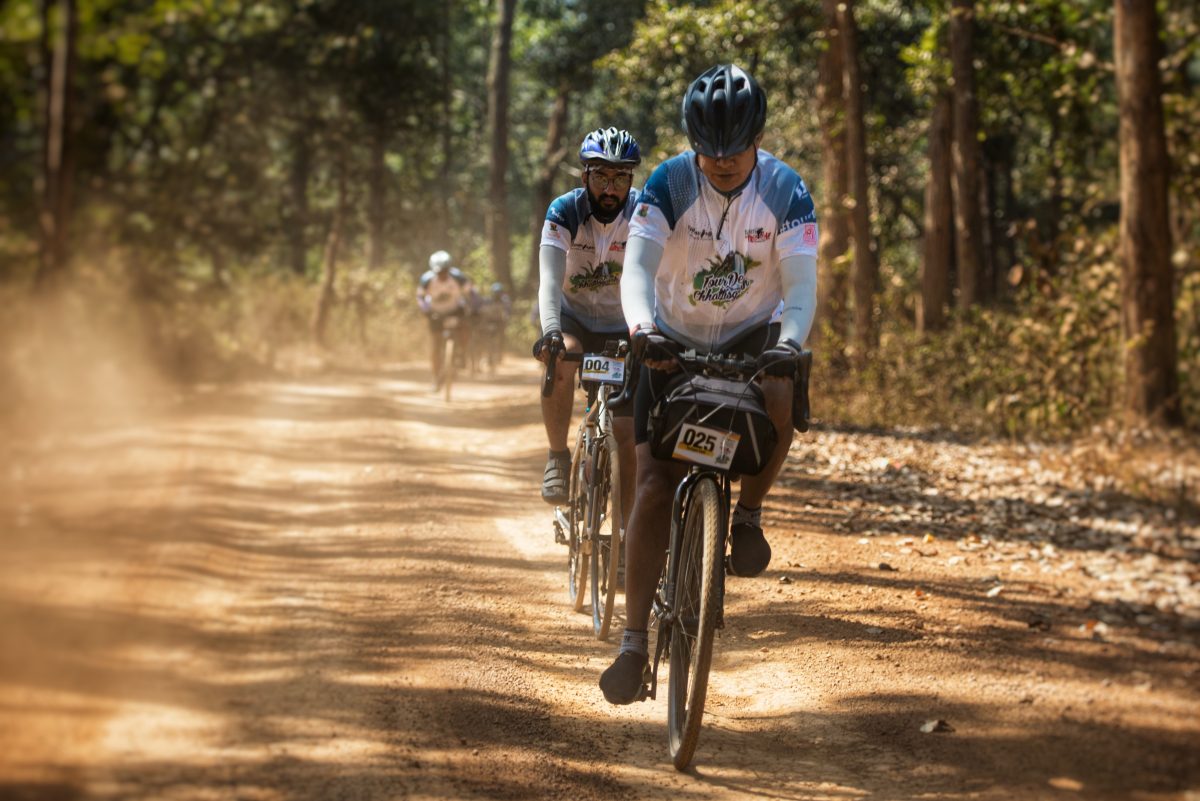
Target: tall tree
[
  {"x": 58, "y": 152},
  {"x": 939, "y": 219},
  {"x": 866, "y": 267},
  {"x": 1147, "y": 292},
  {"x": 968, "y": 220},
  {"x": 333, "y": 246},
  {"x": 543, "y": 192},
  {"x": 835, "y": 234},
  {"x": 498, "y": 234}
]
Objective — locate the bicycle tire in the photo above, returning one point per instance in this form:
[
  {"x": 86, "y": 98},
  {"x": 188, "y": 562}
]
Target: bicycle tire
[
  {"x": 605, "y": 528},
  {"x": 448, "y": 368},
  {"x": 577, "y": 556},
  {"x": 695, "y": 604}
]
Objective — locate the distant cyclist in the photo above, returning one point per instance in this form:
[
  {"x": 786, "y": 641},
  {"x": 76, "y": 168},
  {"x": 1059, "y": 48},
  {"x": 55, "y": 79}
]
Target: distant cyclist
[
  {"x": 723, "y": 234},
  {"x": 442, "y": 292},
  {"x": 492, "y": 323},
  {"x": 579, "y": 297}
]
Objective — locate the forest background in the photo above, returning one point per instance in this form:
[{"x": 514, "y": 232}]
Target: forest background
[{"x": 1009, "y": 192}]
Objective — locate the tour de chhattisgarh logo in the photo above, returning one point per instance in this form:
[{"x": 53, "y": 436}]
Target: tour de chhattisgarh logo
[
  {"x": 604, "y": 274},
  {"x": 723, "y": 280}
]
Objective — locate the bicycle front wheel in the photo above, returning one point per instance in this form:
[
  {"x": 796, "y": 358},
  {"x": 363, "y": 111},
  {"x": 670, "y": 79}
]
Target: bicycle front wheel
[
  {"x": 695, "y": 602},
  {"x": 577, "y": 542},
  {"x": 605, "y": 527}
]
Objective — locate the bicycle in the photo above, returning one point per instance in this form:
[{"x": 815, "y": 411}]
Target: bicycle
[
  {"x": 707, "y": 433},
  {"x": 591, "y": 524},
  {"x": 450, "y": 352}
]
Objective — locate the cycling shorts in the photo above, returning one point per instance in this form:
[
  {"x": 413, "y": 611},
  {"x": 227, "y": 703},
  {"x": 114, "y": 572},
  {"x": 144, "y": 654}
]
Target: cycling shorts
[
  {"x": 652, "y": 383},
  {"x": 435, "y": 321}
]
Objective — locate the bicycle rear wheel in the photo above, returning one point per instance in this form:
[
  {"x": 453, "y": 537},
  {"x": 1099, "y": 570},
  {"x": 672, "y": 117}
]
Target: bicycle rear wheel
[
  {"x": 577, "y": 542},
  {"x": 695, "y": 603},
  {"x": 448, "y": 368},
  {"x": 605, "y": 528}
]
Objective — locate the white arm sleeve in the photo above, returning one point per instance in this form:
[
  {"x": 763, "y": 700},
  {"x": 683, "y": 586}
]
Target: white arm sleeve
[
  {"x": 552, "y": 269},
  {"x": 799, "y": 277},
  {"x": 642, "y": 257}
]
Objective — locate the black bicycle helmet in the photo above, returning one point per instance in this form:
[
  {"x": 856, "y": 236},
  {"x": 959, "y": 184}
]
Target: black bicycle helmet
[
  {"x": 724, "y": 111},
  {"x": 611, "y": 146}
]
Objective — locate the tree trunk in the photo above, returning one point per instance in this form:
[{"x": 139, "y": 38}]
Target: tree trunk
[
  {"x": 333, "y": 243},
  {"x": 447, "y": 127},
  {"x": 377, "y": 200},
  {"x": 543, "y": 192},
  {"x": 1147, "y": 294},
  {"x": 939, "y": 220},
  {"x": 296, "y": 220},
  {"x": 498, "y": 234},
  {"x": 968, "y": 221},
  {"x": 835, "y": 235},
  {"x": 866, "y": 269},
  {"x": 58, "y": 152}
]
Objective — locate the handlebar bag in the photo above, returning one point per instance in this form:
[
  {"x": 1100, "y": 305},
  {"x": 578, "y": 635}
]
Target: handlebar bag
[{"x": 715, "y": 404}]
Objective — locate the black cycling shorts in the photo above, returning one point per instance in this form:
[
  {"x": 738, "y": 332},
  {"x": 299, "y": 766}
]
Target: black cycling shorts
[
  {"x": 591, "y": 341},
  {"x": 652, "y": 383},
  {"x": 435, "y": 321},
  {"x": 594, "y": 342}
]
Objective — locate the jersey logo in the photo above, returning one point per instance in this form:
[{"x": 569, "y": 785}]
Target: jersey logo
[
  {"x": 616, "y": 247},
  {"x": 593, "y": 279},
  {"x": 700, "y": 233},
  {"x": 758, "y": 235},
  {"x": 643, "y": 210},
  {"x": 810, "y": 234},
  {"x": 723, "y": 281}
]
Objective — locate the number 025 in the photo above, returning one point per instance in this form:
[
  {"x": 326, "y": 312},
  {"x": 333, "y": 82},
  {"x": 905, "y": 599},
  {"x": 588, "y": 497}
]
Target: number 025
[{"x": 699, "y": 440}]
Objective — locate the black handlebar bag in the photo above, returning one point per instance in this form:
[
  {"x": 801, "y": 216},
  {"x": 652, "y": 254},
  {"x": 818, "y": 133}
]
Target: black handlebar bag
[{"x": 715, "y": 422}]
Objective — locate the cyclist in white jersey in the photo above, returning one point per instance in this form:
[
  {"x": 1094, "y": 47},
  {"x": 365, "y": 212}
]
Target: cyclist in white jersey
[
  {"x": 443, "y": 291},
  {"x": 722, "y": 234},
  {"x": 579, "y": 297}
]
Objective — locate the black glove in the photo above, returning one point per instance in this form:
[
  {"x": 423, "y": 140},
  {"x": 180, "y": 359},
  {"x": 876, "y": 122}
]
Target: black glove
[
  {"x": 649, "y": 345},
  {"x": 552, "y": 340},
  {"x": 779, "y": 361}
]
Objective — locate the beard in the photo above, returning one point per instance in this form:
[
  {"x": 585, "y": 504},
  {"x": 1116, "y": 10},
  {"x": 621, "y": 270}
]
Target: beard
[{"x": 606, "y": 207}]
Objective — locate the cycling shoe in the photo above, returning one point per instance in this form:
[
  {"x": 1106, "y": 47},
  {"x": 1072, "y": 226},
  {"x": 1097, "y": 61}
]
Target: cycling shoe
[
  {"x": 749, "y": 551},
  {"x": 626, "y": 679},
  {"x": 554, "y": 480}
]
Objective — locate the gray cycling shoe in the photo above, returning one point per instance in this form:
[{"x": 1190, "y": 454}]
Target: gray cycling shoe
[
  {"x": 749, "y": 551},
  {"x": 626, "y": 679},
  {"x": 554, "y": 480}
]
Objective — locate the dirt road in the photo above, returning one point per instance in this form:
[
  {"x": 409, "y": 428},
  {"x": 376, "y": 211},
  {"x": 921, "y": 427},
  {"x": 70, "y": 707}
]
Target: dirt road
[{"x": 341, "y": 588}]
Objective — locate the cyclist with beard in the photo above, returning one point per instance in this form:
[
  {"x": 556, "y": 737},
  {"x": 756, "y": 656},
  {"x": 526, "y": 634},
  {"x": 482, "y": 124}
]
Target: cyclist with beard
[{"x": 579, "y": 297}]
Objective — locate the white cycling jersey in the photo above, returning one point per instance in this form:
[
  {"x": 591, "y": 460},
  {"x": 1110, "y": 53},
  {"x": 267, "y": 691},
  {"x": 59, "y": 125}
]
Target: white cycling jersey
[
  {"x": 591, "y": 289},
  {"x": 719, "y": 275},
  {"x": 444, "y": 295}
]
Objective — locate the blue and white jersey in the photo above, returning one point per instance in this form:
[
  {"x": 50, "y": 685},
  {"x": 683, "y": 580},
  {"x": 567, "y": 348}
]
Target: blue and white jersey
[
  {"x": 719, "y": 275},
  {"x": 443, "y": 295},
  {"x": 591, "y": 291}
]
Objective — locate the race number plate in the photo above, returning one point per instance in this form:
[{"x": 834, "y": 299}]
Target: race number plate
[
  {"x": 603, "y": 369},
  {"x": 707, "y": 446}
]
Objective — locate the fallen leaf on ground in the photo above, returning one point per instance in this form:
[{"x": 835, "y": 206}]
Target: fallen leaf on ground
[{"x": 994, "y": 591}]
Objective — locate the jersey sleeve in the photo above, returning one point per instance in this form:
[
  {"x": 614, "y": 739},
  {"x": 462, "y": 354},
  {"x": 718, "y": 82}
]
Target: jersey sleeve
[
  {"x": 561, "y": 224},
  {"x": 798, "y": 233},
  {"x": 654, "y": 216}
]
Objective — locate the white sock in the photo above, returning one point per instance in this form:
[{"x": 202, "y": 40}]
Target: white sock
[
  {"x": 635, "y": 642},
  {"x": 741, "y": 515}
]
